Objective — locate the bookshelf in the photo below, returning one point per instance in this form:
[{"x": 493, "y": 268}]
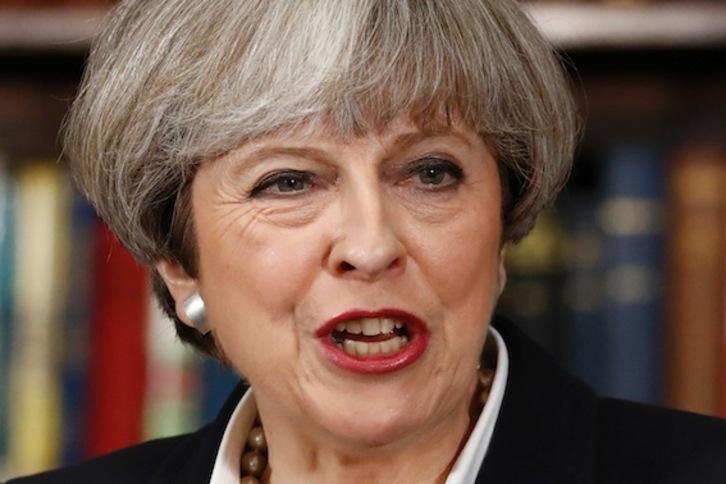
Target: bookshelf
[
  {"x": 568, "y": 25},
  {"x": 646, "y": 73},
  {"x": 635, "y": 25},
  {"x": 49, "y": 29}
]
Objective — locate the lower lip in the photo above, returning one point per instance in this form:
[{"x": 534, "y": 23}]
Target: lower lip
[{"x": 378, "y": 364}]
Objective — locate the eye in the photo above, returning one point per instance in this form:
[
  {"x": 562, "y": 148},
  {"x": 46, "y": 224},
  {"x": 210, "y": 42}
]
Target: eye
[
  {"x": 283, "y": 183},
  {"x": 435, "y": 173}
]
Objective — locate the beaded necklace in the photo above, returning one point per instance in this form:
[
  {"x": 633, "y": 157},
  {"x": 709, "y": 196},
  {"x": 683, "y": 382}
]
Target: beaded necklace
[{"x": 254, "y": 457}]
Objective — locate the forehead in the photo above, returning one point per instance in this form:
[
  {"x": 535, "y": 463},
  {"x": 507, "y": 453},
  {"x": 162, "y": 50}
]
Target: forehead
[
  {"x": 400, "y": 131},
  {"x": 328, "y": 127},
  {"x": 325, "y": 141}
]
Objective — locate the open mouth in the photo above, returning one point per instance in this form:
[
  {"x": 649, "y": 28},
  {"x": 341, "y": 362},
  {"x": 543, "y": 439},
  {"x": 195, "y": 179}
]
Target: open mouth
[
  {"x": 373, "y": 342},
  {"x": 371, "y": 336}
]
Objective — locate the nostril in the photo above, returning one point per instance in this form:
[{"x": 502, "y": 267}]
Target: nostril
[{"x": 347, "y": 266}]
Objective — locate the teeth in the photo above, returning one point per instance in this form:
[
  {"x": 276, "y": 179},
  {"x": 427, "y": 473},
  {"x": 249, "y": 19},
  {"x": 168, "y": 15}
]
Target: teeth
[
  {"x": 349, "y": 347},
  {"x": 361, "y": 348},
  {"x": 369, "y": 326}
]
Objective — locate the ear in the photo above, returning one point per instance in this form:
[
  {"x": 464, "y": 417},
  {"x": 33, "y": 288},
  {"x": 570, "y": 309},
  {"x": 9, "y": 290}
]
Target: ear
[
  {"x": 502, "y": 271},
  {"x": 180, "y": 285}
]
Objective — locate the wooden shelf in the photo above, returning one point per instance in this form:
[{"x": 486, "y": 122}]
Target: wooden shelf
[
  {"x": 568, "y": 25},
  {"x": 592, "y": 25},
  {"x": 68, "y": 29}
]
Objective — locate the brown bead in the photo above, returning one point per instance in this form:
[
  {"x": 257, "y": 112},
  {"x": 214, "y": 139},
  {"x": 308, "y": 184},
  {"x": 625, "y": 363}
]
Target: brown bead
[
  {"x": 256, "y": 439},
  {"x": 486, "y": 377},
  {"x": 484, "y": 397},
  {"x": 249, "y": 480},
  {"x": 253, "y": 463}
]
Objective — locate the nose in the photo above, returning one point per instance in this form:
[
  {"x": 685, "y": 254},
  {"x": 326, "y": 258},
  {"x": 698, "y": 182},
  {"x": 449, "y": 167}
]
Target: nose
[{"x": 367, "y": 245}]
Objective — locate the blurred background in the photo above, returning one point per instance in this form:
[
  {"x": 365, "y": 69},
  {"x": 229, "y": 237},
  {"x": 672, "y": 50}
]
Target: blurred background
[{"x": 623, "y": 281}]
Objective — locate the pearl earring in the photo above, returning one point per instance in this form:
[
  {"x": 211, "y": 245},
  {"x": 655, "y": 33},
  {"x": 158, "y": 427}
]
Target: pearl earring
[{"x": 197, "y": 314}]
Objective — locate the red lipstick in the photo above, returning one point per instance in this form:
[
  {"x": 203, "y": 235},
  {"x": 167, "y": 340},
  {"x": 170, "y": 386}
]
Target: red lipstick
[{"x": 413, "y": 330}]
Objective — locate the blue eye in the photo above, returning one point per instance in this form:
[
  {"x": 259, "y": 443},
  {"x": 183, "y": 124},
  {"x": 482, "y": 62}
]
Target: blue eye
[
  {"x": 432, "y": 176},
  {"x": 436, "y": 173},
  {"x": 284, "y": 182}
]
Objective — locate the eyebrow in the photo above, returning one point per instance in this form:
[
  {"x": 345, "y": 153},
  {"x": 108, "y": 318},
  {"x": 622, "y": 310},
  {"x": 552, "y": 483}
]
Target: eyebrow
[
  {"x": 243, "y": 162},
  {"x": 401, "y": 142},
  {"x": 406, "y": 140},
  {"x": 264, "y": 152}
]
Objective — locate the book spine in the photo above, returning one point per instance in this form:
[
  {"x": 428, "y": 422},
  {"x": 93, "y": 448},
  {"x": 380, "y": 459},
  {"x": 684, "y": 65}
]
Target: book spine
[
  {"x": 7, "y": 197},
  {"x": 722, "y": 301},
  {"x": 631, "y": 217},
  {"x": 722, "y": 254},
  {"x": 695, "y": 279},
  {"x": 74, "y": 359},
  {"x": 117, "y": 343},
  {"x": 172, "y": 404},
  {"x": 216, "y": 385},
  {"x": 41, "y": 251},
  {"x": 584, "y": 351},
  {"x": 535, "y": 271}
]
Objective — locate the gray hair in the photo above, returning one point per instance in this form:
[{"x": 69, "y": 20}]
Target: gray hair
[{"x": 172, "y": 82}]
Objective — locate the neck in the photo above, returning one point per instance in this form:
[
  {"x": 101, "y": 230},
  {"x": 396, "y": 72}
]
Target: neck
[{"x": 301, "y": 454}]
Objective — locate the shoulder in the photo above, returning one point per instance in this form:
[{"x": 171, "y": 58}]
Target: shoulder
[
  {"x": 642, "y": 443},
  {"x": 133, "y": 464},
  {"x": 569, "y": 434}
]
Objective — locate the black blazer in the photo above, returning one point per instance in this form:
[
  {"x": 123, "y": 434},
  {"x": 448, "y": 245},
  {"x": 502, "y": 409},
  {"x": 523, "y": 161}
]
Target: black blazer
[{"x": 551, "y": 429}]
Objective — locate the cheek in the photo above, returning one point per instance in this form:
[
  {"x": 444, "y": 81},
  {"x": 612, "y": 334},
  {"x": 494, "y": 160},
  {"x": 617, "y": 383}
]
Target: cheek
[
  {"x": 256, "y": 270},
  {"x": 252, "y": 276},
  {"x": 464, "y": 260},
  {"x": 251, "y": 285}
]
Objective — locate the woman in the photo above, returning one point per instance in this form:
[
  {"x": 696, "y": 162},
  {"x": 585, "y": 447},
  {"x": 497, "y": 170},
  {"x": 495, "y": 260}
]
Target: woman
[{"x": 324, "y": 190}]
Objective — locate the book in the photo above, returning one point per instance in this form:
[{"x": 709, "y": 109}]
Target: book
[
  {"x": 6, "y": 301},
  {"x": 535, "y": 271},
  {"x": 722, "y": 413},
  {"x": 41, "y": 256},
  {"x": 217, "y": 382},
  {"x": 695, "y": 278},
  {"x": 583, "y": 288},
  {"x": 117, "y": 347},
  {"x": 171, "y": 404},
  {"x": 74, "y": 350},
  {"x": 631, "y": 218}
]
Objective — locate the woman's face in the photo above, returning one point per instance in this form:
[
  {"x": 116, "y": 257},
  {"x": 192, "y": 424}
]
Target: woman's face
[{"x": 352, "y": 281}]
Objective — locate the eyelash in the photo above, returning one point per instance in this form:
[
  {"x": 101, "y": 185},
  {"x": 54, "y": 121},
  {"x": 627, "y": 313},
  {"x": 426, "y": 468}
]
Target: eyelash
[
  {"x": 265, "y": 185},
  {"x": 439, "y": 166}
]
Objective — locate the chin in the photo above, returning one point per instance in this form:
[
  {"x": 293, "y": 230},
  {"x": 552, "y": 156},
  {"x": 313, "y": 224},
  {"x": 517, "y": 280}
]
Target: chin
[
  {"x": 376, "y": 422},
  {"x": 378, "y": 434}
]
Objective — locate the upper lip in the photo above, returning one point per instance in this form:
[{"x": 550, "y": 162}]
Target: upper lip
[{"x": 413, "y": 323}]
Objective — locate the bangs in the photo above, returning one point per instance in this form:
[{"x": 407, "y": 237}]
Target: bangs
[
  {"x": 355, "y": 66},
  {"x": 171, "y": 83}
]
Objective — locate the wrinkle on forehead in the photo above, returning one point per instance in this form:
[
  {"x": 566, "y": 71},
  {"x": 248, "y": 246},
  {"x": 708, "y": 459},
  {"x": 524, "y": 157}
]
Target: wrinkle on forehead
[{"x": 406, "y": 127}]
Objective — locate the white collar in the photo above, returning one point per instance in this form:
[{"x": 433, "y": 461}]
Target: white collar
[
  {"x": 467, "y": 465},
  {"x": 471, "y": 457}
]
